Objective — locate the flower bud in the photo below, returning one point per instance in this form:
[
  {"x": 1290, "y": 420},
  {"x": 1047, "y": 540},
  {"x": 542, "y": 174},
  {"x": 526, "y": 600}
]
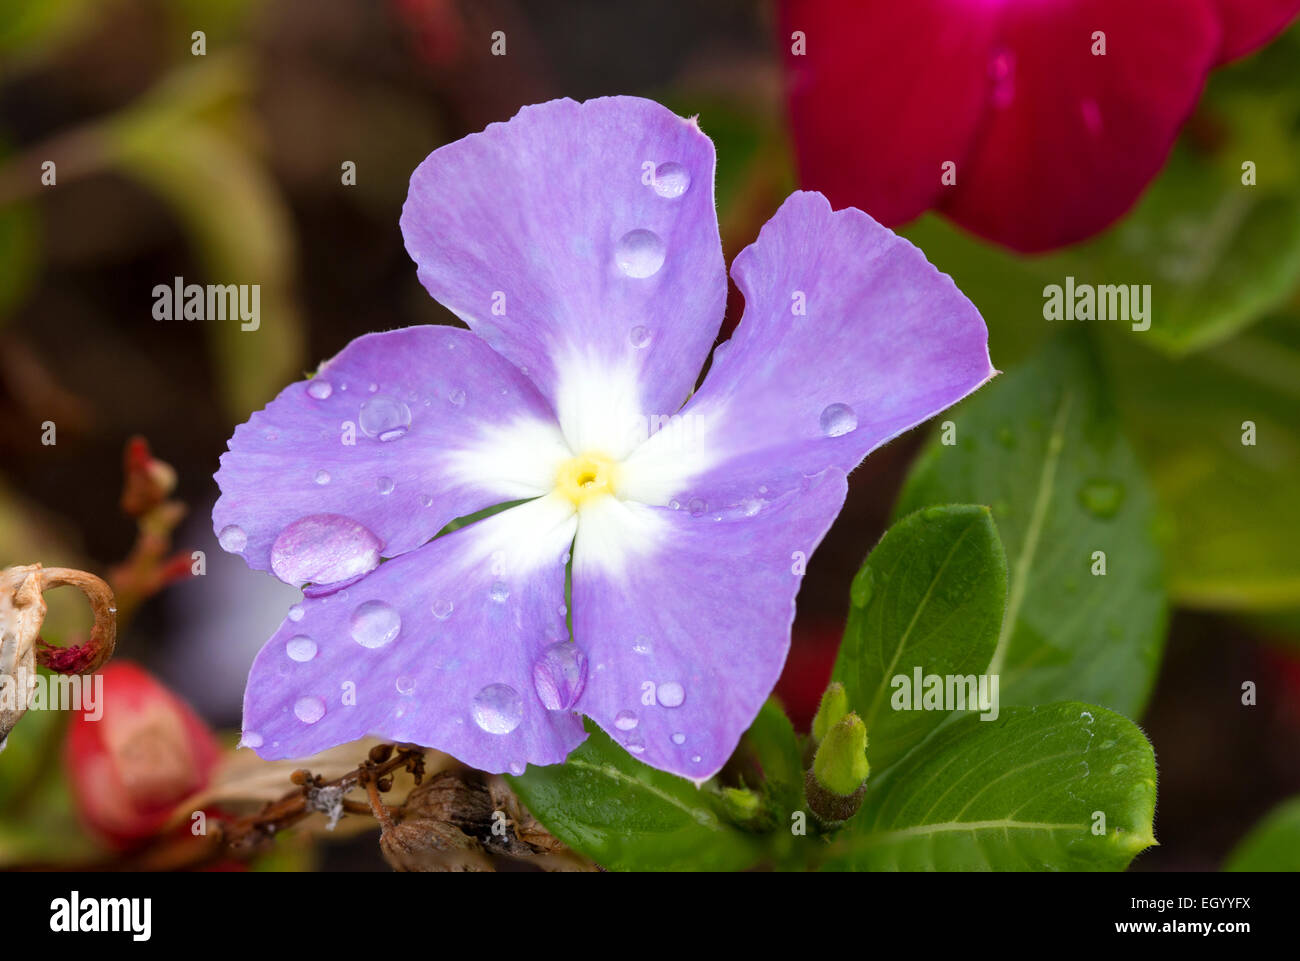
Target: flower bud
[
  {"x": 834, "y": 705},
  {"x": 132, "y": 765},
  {"x": 837, "y": 780}
]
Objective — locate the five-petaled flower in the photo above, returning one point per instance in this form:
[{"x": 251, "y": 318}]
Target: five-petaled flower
[
  {"x": 1053, "y": 115},
  {"x": 646, "y": 569}
]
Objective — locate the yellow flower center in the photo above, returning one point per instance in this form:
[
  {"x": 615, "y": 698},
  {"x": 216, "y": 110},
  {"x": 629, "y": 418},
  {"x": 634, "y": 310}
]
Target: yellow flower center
[{"x": 586, "y": 477}]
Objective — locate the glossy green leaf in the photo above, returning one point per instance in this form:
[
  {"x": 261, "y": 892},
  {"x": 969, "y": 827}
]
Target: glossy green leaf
[
  {"x": 1043, "y": 447},
  {"x": 1068, "y": 787},
  {"x": 1273, "y": 844},
  {"x": 929, "y": 598},
  {"x": 1231, "y": 508},
  {"x": 627, "y": 816}
]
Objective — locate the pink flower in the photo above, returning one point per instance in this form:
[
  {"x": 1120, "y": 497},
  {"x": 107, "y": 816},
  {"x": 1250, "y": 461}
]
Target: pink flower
[{"x": 1033, "y": 123}]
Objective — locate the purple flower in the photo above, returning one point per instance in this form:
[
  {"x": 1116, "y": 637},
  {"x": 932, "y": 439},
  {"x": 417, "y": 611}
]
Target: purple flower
[{"x": 579, "y": 243}]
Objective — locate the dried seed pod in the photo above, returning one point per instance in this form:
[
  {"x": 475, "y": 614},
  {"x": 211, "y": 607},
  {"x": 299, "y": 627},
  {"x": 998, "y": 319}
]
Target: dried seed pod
[
  {"x": 22, "y": 611},
  {"x": 458, "y": 797},
  {"x": 381, "y": 753},
  {"x": 426, "y": 845}
]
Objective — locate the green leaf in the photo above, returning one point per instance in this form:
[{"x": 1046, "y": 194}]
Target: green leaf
[
  {"x": 930, "y": 596},
  {"x": 627, "y": 816},
  {"x": 1022, "y": 792},
  {"x": 1273, "y": 844},
  {"x": 1230, "y": 509},
  {"x": 1044, "y": 448}
]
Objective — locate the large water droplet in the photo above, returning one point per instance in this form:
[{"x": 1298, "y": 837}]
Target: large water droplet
[
  {"x": 671, "y": 180},
  {"x": 625, "y": 720},
  {"x": 640, "y": 253},
  {"x": 1102, "y": 498},
  {"x": 309, "y": 709},
  {"x": 324, "y": 549},
  {"x": 639, "y": 336},
  {"x": 301, "y": 648},
  {"x": 296, "y": 612},
  {"x": 385, "y": 485},
  {"x": 320, "y": 389},
  {"x": 498, "y": 709},
  {"x": 559, "y": 675},
  {"x": 232, "y": 538},
  {"x": 670, "y": 694},
  {"x": 384, "y": 417},
  {"x": 442, "y": 609},
  {"x": 375, "y": 624},
  {"x": 838, "y": 420}
]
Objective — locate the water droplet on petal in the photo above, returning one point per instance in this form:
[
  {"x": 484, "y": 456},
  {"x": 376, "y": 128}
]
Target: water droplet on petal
[
  {"x": 320, "y": 389},
  {"x": 385, "y": 485},
  {"x": 679, "y": 738},
  {"x": 517, "y": 768},
  {"x": 670, "y": 694},
  {"x": 301, "y": 648},
  {"x": 642, "y": 645},
  {"x": 640, "y": 253},
  {"x": 671, "y": 180},
  {"x": 457, "y": 397},
  {"x": 426, "y": 500},
  {"x": 697, "y": 507},
  {"x": 838, "y": 420},
  {"x": 250, "y": 739},
  {"x": 384, "y": 417},
  {"x": 375, "y": 624},
  {"x": 232, "y": 538},
  {"x": 625, "y": 720},
  {"x": 499, "y": 592},
  {"x": 639, "y": 336},
  {"x": 405, "y": 685},
  {"x": 309, "y": 709},
  {"x": 442, "y": 609},
  {"x": 322, "y": 477},
  {"x": 498, "y": 709},
  {"x": 559, "y": 675},
  {"x": 324, "y": 549},
  {"x": 296, "y": 612}
]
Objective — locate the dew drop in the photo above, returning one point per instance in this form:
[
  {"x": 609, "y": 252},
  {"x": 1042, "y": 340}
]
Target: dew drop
[
  {"x": 405, "y": 685},
  {"x": 232, "y": 538},
  {"x": 498, "y": 709},
  {"x": 838, "y": 420},
  {"x": 559, "y": 675},
  {"x": 639, "y": 336},
  {"x": 426, "y": 500},
  {"x": 671, "y": 180},
  {"x": 250, "y": 739},
  {"x": 385, "y": 485},
  {"x": 679, "y": 738},
  {"x": 384, "y": 417},
  {"x": 375, "y": 623},
  {"x": 697, "y": 507},
  {"x": 296, "y": 612},
  {"x": 625, "y": 720},
  {"x": 640, "y": 253},
  {"x": 301, "y": 648},
  {"x": 1102, "y": 498},
  {"x": 670, "y": 694},
  {"x": 324, "y": 549},
  {"x": 309, "y": 709},
  {"x": 322, "y": 477},
  {"x": 641, "y": 646},
  {"x": 320, "y": 389},
  {"x": 517, "y": 768},
  {"x": 499, "y": 592},
  {"x": 457, "y": 397},
  {"x": 442, "y": 609}
]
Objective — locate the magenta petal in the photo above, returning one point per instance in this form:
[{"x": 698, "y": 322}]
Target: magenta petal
[
  {"x": 883, "y": 95},
  {"x": 1249, "y": 24},
  {"x": 388, "y": 442},
  {"x": 849, "y": 338},
  {"x": 436, "y": 647},
  {"x": 685, "y": 633},
  {"x": 1070, "y": 138},
  {"x": 578, "y": 237}
]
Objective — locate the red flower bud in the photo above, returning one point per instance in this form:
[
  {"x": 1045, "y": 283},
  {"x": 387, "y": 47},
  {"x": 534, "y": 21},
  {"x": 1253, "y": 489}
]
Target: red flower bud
[{"x": 148, "y": 751}]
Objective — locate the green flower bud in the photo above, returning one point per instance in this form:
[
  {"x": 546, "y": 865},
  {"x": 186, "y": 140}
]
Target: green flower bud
[
  {"x": 834, "y": 705},
  {"x": 837, "y": 781}
]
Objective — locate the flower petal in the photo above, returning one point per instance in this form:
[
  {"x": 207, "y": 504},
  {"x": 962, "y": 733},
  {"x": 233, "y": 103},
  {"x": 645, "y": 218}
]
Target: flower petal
[
  {"x": 399, "y": 434},
  {"x": 552, "y": 239},
  {"x": 1071, "y": 138},
  {"x": 1249, "y": 24},
  {"x": 685, "y": 620},
  {"x": 884, "y": 342},
  {"x": 436, "y": 647},
  {"x": 883, "y": 94}
]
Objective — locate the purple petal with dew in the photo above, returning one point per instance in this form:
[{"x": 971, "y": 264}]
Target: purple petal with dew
[
  {"x": 437, "y": 647},
  {"x": 397, "y": 435},
  {"x": 685, "y": 619}
]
